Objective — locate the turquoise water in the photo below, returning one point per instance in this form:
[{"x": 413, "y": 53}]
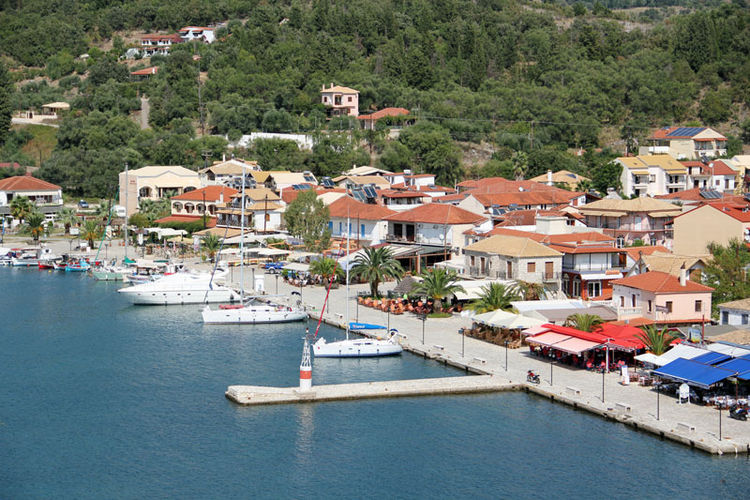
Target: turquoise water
[{"x": 100, "y": 399}]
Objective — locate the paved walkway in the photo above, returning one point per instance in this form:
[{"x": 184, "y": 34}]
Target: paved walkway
[{"x": 633, "y": 404}]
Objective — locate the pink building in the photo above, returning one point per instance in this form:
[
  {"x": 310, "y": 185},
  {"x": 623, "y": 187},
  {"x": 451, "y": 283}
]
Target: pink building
[
  {"x": 661, "y": 298},
  {"x": 341, "y": 101}
]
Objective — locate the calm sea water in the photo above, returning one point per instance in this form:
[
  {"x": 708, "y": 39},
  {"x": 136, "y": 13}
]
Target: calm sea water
[{"x": 99, "y": 399}]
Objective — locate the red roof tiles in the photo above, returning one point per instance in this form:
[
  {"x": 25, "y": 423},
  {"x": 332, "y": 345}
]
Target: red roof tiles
[
  {"x": 26, "y": 183},
  {"x": 435, "y": 213},
  {"x": 377, "y": 115},
  {"x": 349, "y": 207},
  {"x": 208, "y": 193},
  {"x": 659, "y": 282}
]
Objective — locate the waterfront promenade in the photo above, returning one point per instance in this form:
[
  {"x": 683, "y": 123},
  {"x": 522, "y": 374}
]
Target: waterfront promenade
[{"x": 634, "y": 405}]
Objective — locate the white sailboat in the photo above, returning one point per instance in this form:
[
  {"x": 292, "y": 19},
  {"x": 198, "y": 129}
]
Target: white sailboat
[
  {"x": 179, "y": 288},
  {"x": 359, "y": 347},
  {"x": 253, "y": 310}
]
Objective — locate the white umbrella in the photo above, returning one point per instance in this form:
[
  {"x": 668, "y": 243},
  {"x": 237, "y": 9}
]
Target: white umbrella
[{"x": 494, "y": 318}]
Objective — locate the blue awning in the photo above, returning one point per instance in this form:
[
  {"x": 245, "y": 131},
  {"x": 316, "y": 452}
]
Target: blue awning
[
  {"x": 693, "y": 373},
  {"x": 737, "y": 365},
  {"x": 711, "y": 358},
  {"x": 744, "y": 375}
]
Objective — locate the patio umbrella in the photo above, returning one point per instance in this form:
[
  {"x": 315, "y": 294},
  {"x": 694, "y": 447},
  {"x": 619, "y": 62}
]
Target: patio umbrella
[{"x": 497, "y": 317}]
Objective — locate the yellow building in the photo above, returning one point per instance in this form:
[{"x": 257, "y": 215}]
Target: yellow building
[
  {"x": 714, "y": 222},
  {"x": 153, "y": 183}
]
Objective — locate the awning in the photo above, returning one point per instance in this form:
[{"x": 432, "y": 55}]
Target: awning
[
  {"x": 693, "y": 373},
  {"x": 297, "y": 266},
  {"x": 737, "y": 365},
  {"x": 272, "y": 252},
  {"x": 711, "y": 358},
  {"x": 534, "y": 330},
  {"x": 495, "y": 318},
  {"x": 575, "y": 346},
  {"x": 547, "y": 339},
  {"x": 734, "y": 351},
  {"x": 678, "y": 351}
]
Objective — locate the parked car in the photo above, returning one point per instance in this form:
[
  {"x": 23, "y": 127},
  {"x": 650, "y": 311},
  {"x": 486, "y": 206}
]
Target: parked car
[
  {"x": 274, "y": 267},
  {"x": 83, "y": 204}
]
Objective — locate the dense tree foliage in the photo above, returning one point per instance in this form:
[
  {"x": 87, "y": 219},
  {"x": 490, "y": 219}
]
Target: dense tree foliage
[
  {"x": 6, "y": 108},
  {"x": 539, "y": 80}
]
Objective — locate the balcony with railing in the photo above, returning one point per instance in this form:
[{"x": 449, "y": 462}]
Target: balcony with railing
[{"x": 629, "y": 312}]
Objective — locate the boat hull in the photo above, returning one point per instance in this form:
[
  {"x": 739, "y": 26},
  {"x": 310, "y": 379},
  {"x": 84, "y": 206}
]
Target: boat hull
[
  {"x": 177, "y": 297},
  {"x": 251, "y": 316},
  {"x": 359, "y": 348}
]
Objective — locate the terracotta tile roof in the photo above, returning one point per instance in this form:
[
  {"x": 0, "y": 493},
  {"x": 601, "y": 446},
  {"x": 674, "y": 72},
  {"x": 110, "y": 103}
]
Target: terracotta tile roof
[
  {"x": 574, "y": 248},
  {"x": 377, "y": 115},
  {"x": 26, "y": 183},
  {"x": 659, "y": 282},
  {"x": 432, "y": 189},
  {"x": 512, "y": 246},
  {"x": 503, "y": 185},
  {"x": 210, "y": 221},
  {"x": 209, "y": 193},
  {"x": 146, "y": 71},
  {"x": 347, "y": 205},
  {"x": 525, "y": 198},
  {"x": 635, "y": 252},
  {"x": 562, "y": 176},
  {"x": 515, "y": 232},
  {"x": 394, "y": 193},
  {"x": 578, "y": 237},
  {"x": 419, "y": 176},
  {"x": 174, "y": 37},
  {"x": 740, "y": 212},
  {"x": 435, "y": 213},
  {"x": 450, "y": 198},
  {"x": 340, "y": 89}
]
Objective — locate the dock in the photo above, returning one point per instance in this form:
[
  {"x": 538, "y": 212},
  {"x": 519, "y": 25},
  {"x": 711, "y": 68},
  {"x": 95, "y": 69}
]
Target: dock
[
  {"x": 250, "y": 395},
  {"x": 494, "y": 368}
]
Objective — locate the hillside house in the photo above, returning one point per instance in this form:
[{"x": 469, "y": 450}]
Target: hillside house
[
  {"x": 651, "y": 175},
  {"x": 393, "y": 116},
  {"x": 197, "y": 33},
  {"x": 158, "y": 44},
  {"x": 40, "y": 193},
  {"x": 340, "y": 101},
  {"x": 717, "y": 222},
  {"x": 687, "y": 143},
  {"x": 154, "y": 183}
]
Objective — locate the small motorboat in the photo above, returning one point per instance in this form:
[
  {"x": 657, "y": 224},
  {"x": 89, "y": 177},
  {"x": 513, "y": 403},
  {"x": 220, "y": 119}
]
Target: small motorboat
[{"x": 77, "y": 266}]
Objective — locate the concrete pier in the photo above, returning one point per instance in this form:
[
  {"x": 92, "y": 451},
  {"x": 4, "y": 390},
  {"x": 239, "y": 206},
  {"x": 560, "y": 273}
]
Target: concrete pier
[
  {"x": 641, "y": 408},
  {"x": 260, "y": 395}
]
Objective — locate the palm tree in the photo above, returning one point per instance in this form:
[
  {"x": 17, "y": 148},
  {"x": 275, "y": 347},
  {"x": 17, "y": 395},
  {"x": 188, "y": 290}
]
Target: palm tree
[
  {"x": 326, "y": 267},
  {"x": 91, "y": 231},
  {"x": 438, "y": 284},
  {"x": 67, "y": 216},
  {"x": 584, "y": 186},
  {"x": 20, "y": 207},
  {"x": 495, "y": 296},
  {"x": 657, "y": 340},
  {"x": 583, "y": 322},
  {"x": 211, "y": 244},
  {"x": 520, "y": 165},
  {"x": 35, "y": 224},
  {"x": 528, "y": 290},
  {"x": 376, "y": 265}
]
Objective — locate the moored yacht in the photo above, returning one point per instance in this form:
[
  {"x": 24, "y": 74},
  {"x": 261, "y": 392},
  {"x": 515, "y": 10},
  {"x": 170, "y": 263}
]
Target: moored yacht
[
  {"x": 359, "y": 347},
  {"x": 180, "y": 288},
  {"x": 253, "y": 311}
]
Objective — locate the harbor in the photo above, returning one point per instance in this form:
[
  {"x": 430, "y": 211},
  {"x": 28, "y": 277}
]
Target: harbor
[{"x": 640, "y": 408}]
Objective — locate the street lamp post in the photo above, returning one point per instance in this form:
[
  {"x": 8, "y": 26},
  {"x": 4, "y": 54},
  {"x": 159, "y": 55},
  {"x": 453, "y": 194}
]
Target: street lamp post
[
  {"x": 277, "y": 284},
  {"x": 463, "y": 337},
  {"x": 423, "y": 317},
  {"x": 602, "y": 386},
  {"x": 658, "y": 392},
  {"x": 506, "y": 355},
  {"x": 551, "y": 366}
]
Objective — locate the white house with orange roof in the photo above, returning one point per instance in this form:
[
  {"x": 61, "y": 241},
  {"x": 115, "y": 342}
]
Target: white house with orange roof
[
  {"x": 434, "y": 224},
  {"x": 359, "y": 221},
  {"x": 712, "y": 174},
  {"x": 340, "y": 101},
  {"x": 204, "y": 200},
  {"x": 39, "y": 192},
  {"x": 158, "y": 44},
  {"x": 662, "y": 298},
  {"x": 687, "y": 143}
]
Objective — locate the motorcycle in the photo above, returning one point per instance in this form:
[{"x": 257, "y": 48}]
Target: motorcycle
[
  {"x": 532, "y": 377},
  {"x": 738, "y": 412}
]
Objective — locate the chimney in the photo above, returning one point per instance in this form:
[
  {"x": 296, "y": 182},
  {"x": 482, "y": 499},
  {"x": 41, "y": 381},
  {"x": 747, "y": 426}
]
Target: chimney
[
  {"x": 683, "y": 275},
  {"x": 223, "y": 157},
  {"x": 221, "y": 196},
  {"x": 549, "y": 177}
]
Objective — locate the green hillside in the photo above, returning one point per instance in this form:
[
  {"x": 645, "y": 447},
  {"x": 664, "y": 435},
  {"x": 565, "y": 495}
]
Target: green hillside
[{"x": 534, "y": 77}]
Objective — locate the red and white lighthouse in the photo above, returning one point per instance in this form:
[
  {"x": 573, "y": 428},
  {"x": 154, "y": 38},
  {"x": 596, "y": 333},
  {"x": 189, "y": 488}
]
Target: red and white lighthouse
[{"x": 305, "y": 367}]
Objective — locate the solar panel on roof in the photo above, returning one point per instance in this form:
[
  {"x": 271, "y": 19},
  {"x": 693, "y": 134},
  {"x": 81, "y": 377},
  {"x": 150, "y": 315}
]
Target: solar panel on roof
[
  {"x": 327, "y": 182},
  {"x": 309, "y": 178},
  {"x": 710, "y": 194},
  {"x": 370, "y": 192},
  {"x": 686, "y": 131},
  {"x": 358, "y": 195}
]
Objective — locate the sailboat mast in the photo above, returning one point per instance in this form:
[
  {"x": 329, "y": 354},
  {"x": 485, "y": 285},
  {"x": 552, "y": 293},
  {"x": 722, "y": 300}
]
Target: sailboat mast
[
  {"x": 242, "y": 240},
  {"x": 127, "y": 188},
  {"x": 348, "y": 236}
]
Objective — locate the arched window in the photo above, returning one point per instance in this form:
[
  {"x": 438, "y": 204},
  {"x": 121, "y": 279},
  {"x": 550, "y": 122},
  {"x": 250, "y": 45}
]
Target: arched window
[
  {"x": 144, "y": 192},
  {"x": 188, "y": 189},
  {"x": 212, "y": 209},
  {"x": 201, "y": 208},
  {"x": 189, "y": 207},
  {"x": 177, "y": 206}
]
